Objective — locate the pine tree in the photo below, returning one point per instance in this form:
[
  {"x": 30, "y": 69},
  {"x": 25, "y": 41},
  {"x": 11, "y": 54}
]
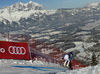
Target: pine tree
[{"x": 94, "y": 60}]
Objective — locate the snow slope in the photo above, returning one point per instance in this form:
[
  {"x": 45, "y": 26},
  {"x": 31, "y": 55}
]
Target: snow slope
[
  {"x": 19, "y": 10},
  {"x": 79, "y": 47},
  {"x": 87, "y": 70},
  {"x": 38, "y": 67}
]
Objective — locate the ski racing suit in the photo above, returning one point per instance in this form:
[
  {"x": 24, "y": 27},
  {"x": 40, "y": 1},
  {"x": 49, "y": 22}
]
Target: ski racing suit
[{"x": 68, "y": 59}]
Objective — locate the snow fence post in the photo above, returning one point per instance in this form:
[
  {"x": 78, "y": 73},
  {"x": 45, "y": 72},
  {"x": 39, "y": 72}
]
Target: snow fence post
[
  {"x": 44, "y": 51},
  {"x": 29, "y": 51},
  {"x": 36, "y": 50},
  {"x": 50, "y": 54},
  {"x": 33, "y": 48}
]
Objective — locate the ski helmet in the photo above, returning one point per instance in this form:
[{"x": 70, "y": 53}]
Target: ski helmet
[{"x": 71, "y": 53}]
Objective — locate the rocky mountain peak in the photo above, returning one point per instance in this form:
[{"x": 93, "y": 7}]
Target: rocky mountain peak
[
  {"x": 24, "y": 7},
  {"x": 33, "y": 5},
  {"x": 93, "y": 5}
]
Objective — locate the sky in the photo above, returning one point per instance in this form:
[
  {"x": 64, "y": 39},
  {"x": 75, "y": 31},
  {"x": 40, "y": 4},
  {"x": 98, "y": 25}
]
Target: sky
[{"x": 52, "y": 4}]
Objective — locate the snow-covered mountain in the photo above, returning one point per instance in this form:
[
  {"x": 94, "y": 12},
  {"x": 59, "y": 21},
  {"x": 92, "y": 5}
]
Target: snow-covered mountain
[
  {"x": 93, "y": 5},
  {"x": 46, "y": 24},
  {"x": 19, "y": 10},
  {"x": 24, "y": 7},
  {"x": 66, "y": 28},
  {"x": 62, "y": 27}
]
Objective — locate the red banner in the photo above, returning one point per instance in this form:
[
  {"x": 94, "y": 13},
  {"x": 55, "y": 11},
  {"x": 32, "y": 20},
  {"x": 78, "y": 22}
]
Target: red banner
[{"x": 14, "y": 50}]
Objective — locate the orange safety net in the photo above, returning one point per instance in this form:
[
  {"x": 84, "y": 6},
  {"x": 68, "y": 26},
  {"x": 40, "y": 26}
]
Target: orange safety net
[{"x": 77, "y": 65}]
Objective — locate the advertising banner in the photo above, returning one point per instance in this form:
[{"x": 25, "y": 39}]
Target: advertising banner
[{"x": 14, "y": 50}]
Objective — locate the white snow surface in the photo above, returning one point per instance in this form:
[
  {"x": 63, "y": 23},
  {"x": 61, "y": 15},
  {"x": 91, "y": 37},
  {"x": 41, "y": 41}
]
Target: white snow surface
[
  {"x": 87, "y": 70},
  {"x": 92, "y": 5},
  {"x": 12, "y": 13},
  {"x": 79, "y": 46},
  {"x": 16, "y": 16},
  {"x": 90, "y": 26},
  {"x": 6, "y": 67}
]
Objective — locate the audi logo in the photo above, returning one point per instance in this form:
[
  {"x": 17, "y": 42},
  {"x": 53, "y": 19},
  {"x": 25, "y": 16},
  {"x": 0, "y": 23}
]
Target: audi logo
[
  {"x": 2, "y": 50},
  {"x": 17, "y": 50}
]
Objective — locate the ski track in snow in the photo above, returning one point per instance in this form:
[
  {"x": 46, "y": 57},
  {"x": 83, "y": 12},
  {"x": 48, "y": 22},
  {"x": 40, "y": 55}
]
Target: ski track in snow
[{"x": 14, "y": 67}]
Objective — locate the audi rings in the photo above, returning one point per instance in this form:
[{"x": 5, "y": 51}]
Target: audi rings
[
  {"x": 17, "y": 50},
  {"x": 2, "y": 50}
]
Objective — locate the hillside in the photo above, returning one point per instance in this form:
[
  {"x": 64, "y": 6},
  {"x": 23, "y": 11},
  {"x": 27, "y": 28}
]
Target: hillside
[{"x": 62, "y": 27}]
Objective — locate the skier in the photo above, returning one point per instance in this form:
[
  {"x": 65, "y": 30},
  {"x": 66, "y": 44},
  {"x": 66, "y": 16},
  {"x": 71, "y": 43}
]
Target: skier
[{"x": 68, "y": 59}]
